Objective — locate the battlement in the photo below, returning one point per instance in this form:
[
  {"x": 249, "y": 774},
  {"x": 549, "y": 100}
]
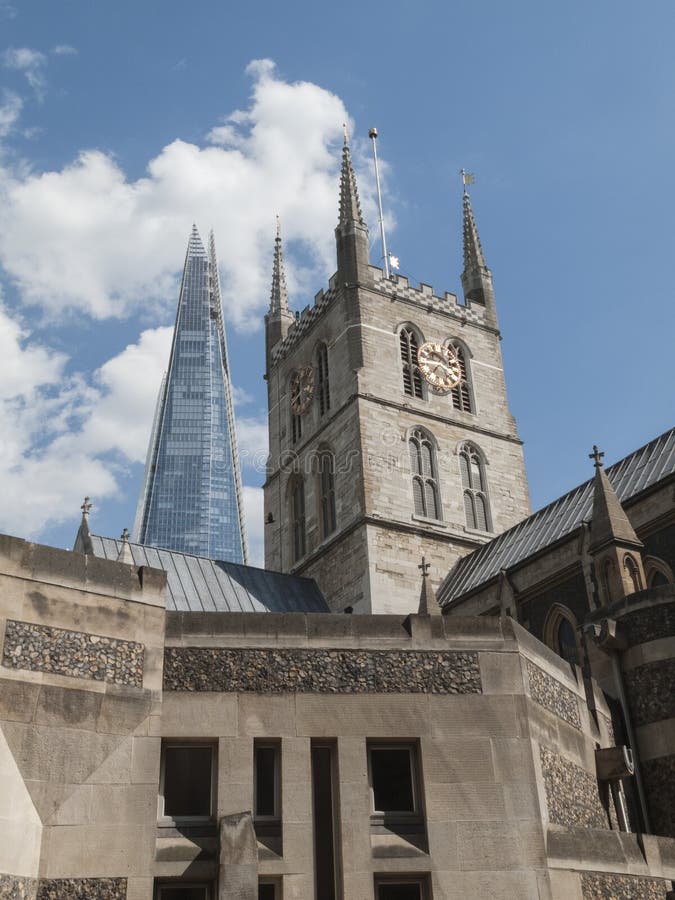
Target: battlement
[{"x": 398, "y": 287}]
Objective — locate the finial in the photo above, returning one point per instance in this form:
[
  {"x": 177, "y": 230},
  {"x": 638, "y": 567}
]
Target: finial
[
  {"x": 86, "y": 506},
  {"x": 425, "y": 566},
  {"x": 345, "y": 132},
  {"x": 278, "y": 219},
  {"x": 125, "y": 536},
  {"x": 597, "y": 456},
  {"x": 125, "y": 555}
]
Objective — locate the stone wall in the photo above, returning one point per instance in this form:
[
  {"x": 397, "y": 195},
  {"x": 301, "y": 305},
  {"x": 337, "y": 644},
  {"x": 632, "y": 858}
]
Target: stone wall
[
  {"x": 602, "y": 886},
  {"x": 14, "y": 887},
  {"x": 649, "y": 624},
  {"x": 320, "y": 671},
  {"x": 659, "y": 779},
  {"x": 82, "y": 889},
  {"x": 553, "y": 696},
  {"x": 571, "y": 793},
  {"x": 40, "y": 648},
  {"x": 650, "y": 691}
]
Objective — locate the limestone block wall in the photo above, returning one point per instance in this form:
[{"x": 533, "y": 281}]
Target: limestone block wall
[{"x": 81, "y": 658}]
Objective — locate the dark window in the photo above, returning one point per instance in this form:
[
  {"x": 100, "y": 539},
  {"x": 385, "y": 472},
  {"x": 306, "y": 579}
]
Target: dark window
[
  {"x": 187, "y": 780},
  {"x": 296, "y": 427},
  {"x": 461, "y": 394},
  {"x": 323, "y": 802},
  {"x": 392, "y": 779},
  {"x": 657, "y": 579},
  {"x": 298, "y": 519},
  {"x": 323, "y": 387},
  {"x": 474, "y": 485},
  {"x": 267, "y": 890},
  {"x": 405, "y": 890},
  {"x": 424, "y": 475},
  {"x": 267, "y": 782},
  {"x": 412, "y": 379},
  {"x": 327, "y": 478},
  {"x": 567, "y": 641}
]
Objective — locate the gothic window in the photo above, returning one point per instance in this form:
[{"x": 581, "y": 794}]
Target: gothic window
[
  {"x": 633, "y": 573},
  {"x": 327, "y": 492},
  {"x": 461, "y": 395},
  {"x": 323, "y": 387},
  {"x": 296, "y": 427},
  {"x": 560, "y": 633},
  {"x": 474, "y": 485},
  {"x": 657, "y": 572},
  {"x": 298, "y": 518},
  {"x": 424, "y": 475},
  {"x": 412, "y": 379}
]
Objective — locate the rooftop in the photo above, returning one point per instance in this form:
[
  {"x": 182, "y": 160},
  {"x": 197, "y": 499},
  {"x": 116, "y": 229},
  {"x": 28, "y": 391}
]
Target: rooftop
[
  {"x": 198, "y": 584},
  {"x": 632, "y": 475}
]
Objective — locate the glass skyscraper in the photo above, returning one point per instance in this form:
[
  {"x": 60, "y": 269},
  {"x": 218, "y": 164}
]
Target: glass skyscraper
[{"x": 192, "y": 498}]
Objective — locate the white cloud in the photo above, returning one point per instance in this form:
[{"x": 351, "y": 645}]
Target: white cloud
[
  {"x": 86, "y": 238},
  {"x": 252, "y": 442},
  {"x": 64, "y": 50},
  {"x": 10, "y": 110},
  {"x": 30, "y": 62}
]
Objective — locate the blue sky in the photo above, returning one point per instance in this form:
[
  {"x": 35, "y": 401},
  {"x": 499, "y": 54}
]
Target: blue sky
[{"x": 122, "y": 123}]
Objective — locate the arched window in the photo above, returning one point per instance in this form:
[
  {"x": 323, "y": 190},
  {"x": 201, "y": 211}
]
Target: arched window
[
  {"x": 474, "y": 484},
  {"x": 412, "y": 379},
  {"x": 461, "y": 394},
  {"x": 561, "y": 634},
  {"x": 327, "y": 492},
  {"x": 657, "y": 572},
  {"x": 632, "y": 571},
  {"x": 323, "y": 387},
  {"x": 296, "y": 427},
  {"x": 298, "y": 518},
  {"x": 424, "y": 475}
]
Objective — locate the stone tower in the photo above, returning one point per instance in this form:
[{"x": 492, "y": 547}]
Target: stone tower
[{"x": 389, "y": 429}]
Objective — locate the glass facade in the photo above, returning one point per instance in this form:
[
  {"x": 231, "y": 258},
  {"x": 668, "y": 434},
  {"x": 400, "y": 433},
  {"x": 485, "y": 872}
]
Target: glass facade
[{"x": 192, "y": 497}]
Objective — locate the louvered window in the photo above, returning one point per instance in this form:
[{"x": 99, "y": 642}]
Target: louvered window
[
  {"x": 298, "y": 519},
  {"x": 474, "y": 485},
  {"x": 296, "y": 427},
  {"x": 461, "y": 395},
  {"x": 424, "y": 475},
  {"x": 323, "y": 387},
  {"x": 412, "y": 379},
  {"x": 327, "y": 481}
]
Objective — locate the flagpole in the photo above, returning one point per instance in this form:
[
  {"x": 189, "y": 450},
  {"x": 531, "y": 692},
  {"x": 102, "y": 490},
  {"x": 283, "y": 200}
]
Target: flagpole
[{"x": 372, "y": 134}]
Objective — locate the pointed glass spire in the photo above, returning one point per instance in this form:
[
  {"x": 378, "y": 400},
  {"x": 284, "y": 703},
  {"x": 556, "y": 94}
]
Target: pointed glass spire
[
  {"x": 192, "y": 497},
  {"x": 474, "y": 260},
  {"x": 350, "y": 206},
  {"x": 279, "y": 297}
]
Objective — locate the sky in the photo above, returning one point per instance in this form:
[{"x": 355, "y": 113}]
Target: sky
[{"x": 122, "y": 123}]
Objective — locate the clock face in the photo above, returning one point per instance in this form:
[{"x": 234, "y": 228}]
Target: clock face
[
  {"x": 439, "y": 366},
  {"x": 302, "y": 390}
]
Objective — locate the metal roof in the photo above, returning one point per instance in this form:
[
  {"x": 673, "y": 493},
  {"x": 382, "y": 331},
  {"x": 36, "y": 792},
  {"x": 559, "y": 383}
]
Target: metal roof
[
  {"x": 198, "y": 584},
  {"x": 629, "y": 477}
]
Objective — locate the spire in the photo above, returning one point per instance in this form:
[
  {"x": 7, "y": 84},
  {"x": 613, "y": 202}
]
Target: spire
[
  {"x": 195, "y": 244},
  {"x": 351, "y": 234},
  {"x": 474, "y": 259},
  {"x": 279, "y": 297},
  {"x": 609, "y": 524},
  {"x": 476, "y": 277},
  {"x": 125, "y": 555},
  {"x": 350, "y": 206},
  {"x": 83, "y": 542},
  {"x": 428, "y": 605}
]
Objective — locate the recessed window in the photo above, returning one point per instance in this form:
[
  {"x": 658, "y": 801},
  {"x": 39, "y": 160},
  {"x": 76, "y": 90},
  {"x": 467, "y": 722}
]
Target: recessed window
[
  {"x": 423, "y": 467},
  {"x": 474, "y": 484},
  {"x": 412, "y": 378},
  {"x": 269, "y": 890},
  {"x": 393, "y": 780},
  {"x": 178, "y": 891},
  {"x": 403, "y": 889},
  {"x": 187, "y": 782},
  {"x": 267, "y": 783},
  {"x": 461, "y": 393},
  {"x": 327, "y": 488}
]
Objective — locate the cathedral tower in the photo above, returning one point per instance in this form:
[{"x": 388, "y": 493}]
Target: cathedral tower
[
  {"x": 192, "y": 499},
  {"x": 390, "y": 433}
]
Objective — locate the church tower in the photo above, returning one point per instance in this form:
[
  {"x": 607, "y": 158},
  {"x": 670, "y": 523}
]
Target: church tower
[
  {"x": 389, "y": 429},
  {"x": 192, "y": 498}
]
